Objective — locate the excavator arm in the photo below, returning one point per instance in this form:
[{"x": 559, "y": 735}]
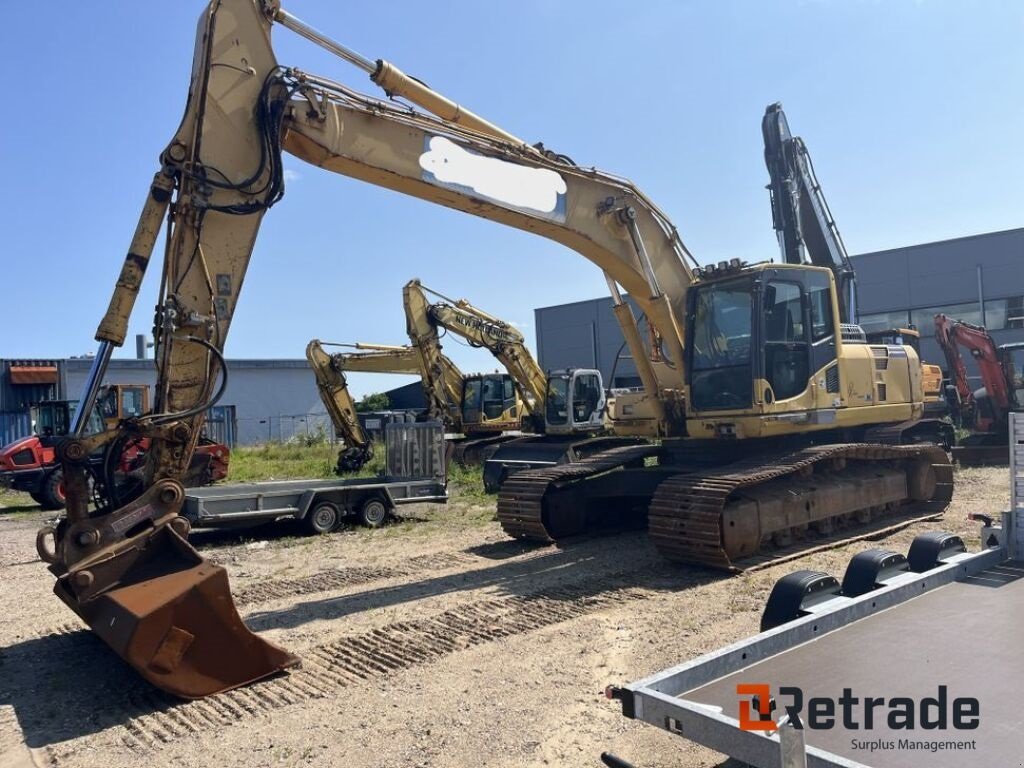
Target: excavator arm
[
  {"x": 332, "y": 385},
  {"x": 803, "y": 222},
  {"x": 952, "y": 334},
  {"x": 481, "y": 330},
  {"x": 442, "y": 380},
  {"x": 126, "y": 567}
]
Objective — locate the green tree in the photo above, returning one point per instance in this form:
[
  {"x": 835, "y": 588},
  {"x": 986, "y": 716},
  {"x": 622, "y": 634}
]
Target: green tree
[{"x": 378, "y": 401}]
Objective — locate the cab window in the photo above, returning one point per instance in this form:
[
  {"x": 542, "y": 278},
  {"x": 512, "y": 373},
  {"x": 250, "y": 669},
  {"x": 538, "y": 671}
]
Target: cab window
[
  {"x": 785, "y": 349},
  {"x": 820, "y": 299}
]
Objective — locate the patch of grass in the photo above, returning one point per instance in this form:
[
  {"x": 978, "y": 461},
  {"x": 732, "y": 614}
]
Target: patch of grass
[
  {"x": 14, "y": 503},
  {"x": 291, "y": 461},
  {"x": 467, "y": 484},
  {"x": 278, "y": 461}
]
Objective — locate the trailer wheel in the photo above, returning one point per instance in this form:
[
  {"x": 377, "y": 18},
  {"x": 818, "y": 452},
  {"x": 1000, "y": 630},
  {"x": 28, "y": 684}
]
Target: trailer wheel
[
  {"x": 373, "y": 513},
  {"x": 51, "y": 491},
  {"x": 323, "y": 518}
]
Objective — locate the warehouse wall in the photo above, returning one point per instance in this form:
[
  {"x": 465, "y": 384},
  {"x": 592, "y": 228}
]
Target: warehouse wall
[
  {"x": 958, "y": 277},
  {"x": 897, "y": 287},
  {"x": 273, "y": 399},
  {"x": 585, "y": 334}
]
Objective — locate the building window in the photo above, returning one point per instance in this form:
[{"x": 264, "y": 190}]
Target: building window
[
  {"x": 1015, "y": 312},
  {"x": 924, "y": 319},
  {"x": 999, "y": 314},
  {"x": 882, "y": 321}
]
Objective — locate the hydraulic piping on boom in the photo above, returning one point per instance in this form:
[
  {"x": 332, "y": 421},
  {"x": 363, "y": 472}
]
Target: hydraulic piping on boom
[{"x": 751, "y": 366}]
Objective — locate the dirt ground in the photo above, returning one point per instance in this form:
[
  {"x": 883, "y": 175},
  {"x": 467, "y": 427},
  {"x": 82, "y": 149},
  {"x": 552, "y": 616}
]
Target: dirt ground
[{"x": 435, "y": 642}]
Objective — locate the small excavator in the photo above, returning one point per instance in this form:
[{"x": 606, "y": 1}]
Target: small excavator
[
  {"x": 332, "y": 384},
  {"x": 985, "y": 411},
  {"x": 775, "y": 419},
  {"x": 30, "y": 464},
  {"x": 478, "y": 410},
  {"x": 563, "y": 409}
]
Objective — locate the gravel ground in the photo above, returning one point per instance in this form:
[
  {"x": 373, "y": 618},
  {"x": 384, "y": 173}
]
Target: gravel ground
[{"x": 437, "y": 642}]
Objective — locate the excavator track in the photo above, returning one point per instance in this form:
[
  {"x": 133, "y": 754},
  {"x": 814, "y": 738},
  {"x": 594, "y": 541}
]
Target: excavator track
[
  {"x": 687, "y": 516},
  {"x": 521, "y": 499}
]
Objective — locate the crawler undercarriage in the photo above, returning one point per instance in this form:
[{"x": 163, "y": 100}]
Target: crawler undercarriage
[{"x": 729, "y": 511}]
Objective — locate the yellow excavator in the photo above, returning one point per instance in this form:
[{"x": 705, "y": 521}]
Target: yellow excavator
[
  {"x": 564, "y": 409},
  {"x": 476, "y": 409},
  {"x": 773, "y": 418},
  {"x": 332, "y": 384}
]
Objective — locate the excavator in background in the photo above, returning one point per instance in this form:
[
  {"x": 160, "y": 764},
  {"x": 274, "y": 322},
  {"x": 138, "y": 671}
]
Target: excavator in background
[
  {"x": 808, "y": 234},
  {"x": 985, "y": 411},
  {"x": 478, "y": 409},
  {"x": 332, "y": 384},
  {"x": 30, "y": 464},
  {"x": 488, "y": 408},
  {"x": 935, "y": 403},
  {"x": 563, "y": 409},
  {"x": 776, "y": 420}
]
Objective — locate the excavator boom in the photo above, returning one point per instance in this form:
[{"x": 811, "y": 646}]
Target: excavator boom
[
  {"x": 332, "y": 385},
  {"x": 480, "y": 329},
  {"x": 803, "y": 222}
]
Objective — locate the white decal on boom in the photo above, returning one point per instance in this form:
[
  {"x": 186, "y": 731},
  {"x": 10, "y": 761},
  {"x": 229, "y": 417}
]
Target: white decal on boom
[{"x": 532, "y": 189}]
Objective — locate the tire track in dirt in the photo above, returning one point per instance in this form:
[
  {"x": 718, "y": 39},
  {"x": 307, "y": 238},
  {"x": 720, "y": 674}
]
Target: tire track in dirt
[
  {"x": 321, "y": 581},
  {"x": 152, "y": 719},
  {"x": 338, "y": 578}
]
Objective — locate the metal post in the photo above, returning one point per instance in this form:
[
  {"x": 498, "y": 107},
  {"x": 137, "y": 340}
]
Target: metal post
[
  {"x": 981, "y": 296},
  {"x": 92, "y": 388},
  {"x": 792, "y": 749}
]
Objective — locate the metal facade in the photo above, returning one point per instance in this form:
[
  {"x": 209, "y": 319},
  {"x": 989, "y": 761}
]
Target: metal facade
[{"x": 979, "y": 278}]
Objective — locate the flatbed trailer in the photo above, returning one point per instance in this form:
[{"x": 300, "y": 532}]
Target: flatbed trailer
[
  {"x": 416, "y": 473},
  {"x": 948, "y": 626}
]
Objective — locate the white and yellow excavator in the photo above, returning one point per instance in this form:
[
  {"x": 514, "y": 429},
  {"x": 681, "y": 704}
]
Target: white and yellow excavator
[
  {"x": 775, "y": 420},
  {"x": 563, "y": 410}
]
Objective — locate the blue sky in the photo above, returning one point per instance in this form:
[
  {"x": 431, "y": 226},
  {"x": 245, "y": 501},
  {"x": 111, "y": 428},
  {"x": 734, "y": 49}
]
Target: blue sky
[{"x": 912, "y": 112}]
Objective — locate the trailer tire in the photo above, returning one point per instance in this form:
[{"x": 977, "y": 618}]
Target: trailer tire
[
  {"x": 323, "y": 518},
  {"x": 51, "y": 491},
  {"x": 374, "y": 512}
]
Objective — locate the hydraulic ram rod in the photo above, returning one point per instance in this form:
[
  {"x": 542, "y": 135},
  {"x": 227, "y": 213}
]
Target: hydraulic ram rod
[{"x": 396, "y": 83}]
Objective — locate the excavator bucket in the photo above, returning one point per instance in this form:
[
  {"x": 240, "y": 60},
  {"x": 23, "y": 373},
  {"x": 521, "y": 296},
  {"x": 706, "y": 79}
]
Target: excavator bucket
[{"x": 169, "y": 614}]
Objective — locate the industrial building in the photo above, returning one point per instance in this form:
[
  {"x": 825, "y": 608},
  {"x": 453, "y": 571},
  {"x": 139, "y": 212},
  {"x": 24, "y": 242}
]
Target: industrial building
[
  {"x": 979, "y": 278},
  {"x": 265, "y": 399}
]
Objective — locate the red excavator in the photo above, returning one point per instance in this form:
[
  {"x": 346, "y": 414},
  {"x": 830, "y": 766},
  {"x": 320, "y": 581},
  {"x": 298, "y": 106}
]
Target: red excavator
[
  {"x": 984, "y": 411},
  {"x": 30, "y": 464}
]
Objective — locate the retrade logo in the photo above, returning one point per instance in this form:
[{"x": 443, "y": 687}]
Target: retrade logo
[
  {"x": 761, "y": 695},
  {"x": 854, "y": 713}
]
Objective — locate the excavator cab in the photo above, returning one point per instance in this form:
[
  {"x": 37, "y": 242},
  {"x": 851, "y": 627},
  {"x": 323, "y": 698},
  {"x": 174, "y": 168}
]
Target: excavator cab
[
  {"x": 489, "y": 402},
  {"x": 1013, "y": 365},
  {"x": 575, "y": 402},
  {"x": 773, "y": 324}
]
